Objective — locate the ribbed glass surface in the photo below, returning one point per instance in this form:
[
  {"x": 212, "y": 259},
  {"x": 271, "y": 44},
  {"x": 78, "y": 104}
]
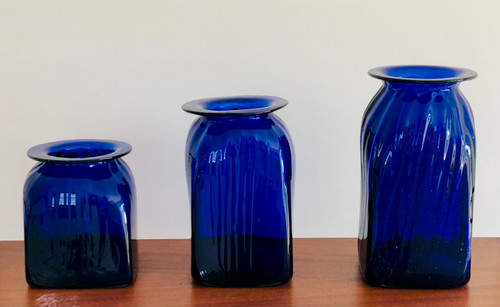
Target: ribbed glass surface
[
  {"x": 79, "y": 220},
  {"x": 418, "y": 162},
  {"x": 240, "y": 177}
]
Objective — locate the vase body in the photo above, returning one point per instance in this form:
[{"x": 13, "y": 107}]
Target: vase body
[
  {"x": 418, "y": 162},
  {"x": 79, "y": 216},
  {"x": 239, "y": 168}
]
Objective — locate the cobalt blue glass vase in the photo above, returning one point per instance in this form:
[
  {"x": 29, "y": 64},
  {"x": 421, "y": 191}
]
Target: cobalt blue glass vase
[
  {"x": 418, "y": 161},
  {"x": 79, "y": 216},
  {"x": 240, "y": 169}
]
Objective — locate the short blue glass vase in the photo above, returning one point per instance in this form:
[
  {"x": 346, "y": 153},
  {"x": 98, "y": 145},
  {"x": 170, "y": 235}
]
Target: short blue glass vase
[
  {"x": 240, "y": 175},
  {"x": 418, "y": 155},
  {"x": 79, "y": 216}
]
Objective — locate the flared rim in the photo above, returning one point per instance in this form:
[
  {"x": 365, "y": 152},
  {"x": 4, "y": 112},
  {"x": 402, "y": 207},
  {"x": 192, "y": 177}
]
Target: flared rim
[
  {"x": 79, "y": 151},
  {"x": 422, "y": 74},
  {"x": 235, "y": 105}
]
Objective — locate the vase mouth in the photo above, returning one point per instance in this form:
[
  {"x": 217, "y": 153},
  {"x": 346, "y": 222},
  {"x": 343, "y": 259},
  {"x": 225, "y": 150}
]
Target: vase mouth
[
  {"x": 79, "y": 151},
  {"x": 422, "y": 74},
  {"x": 235, "y": 105}
]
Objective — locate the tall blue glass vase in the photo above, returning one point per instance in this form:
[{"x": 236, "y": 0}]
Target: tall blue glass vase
[
  {"x": 79, "y": 216},
  {"x": 240, "y": 170},
  {"x": 418, "y": 155}
]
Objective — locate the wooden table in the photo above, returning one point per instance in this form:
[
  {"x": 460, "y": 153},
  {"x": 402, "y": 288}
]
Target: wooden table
[{"x": 326, "y": 274}]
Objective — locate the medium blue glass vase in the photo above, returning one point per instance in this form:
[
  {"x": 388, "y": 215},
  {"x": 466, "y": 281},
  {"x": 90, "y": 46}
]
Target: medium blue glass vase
[
  {"x": 418, "y": 155},
  {"x": 240, "y": 169},
  {"x": 79, "y": 216}
]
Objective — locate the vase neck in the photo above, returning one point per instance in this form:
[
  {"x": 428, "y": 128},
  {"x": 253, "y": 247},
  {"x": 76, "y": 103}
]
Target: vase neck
[
  {"x": 421, "y": 87},
  {"x": 239, "y": 117}
]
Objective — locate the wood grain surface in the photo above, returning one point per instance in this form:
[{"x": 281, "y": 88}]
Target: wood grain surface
[{"x": 325, "y": 274}]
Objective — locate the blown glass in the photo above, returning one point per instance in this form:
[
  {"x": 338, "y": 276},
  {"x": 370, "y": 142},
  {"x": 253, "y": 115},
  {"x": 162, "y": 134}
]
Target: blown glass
[
  {"x": 418, "y": 160},
  {"x": 79, "y": 216},
  {"x": 240, "y": 169}
]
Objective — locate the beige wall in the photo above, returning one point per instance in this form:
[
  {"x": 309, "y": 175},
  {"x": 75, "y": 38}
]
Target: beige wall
[{"x": 122, "y": 69}]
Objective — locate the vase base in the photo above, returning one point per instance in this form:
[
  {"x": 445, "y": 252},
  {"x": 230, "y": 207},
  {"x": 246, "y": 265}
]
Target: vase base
[{"x": 232, "y": 283}]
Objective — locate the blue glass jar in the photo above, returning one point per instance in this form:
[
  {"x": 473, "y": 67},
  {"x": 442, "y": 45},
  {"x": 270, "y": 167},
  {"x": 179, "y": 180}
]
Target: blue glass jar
[
  {"x": 79, "y": 216},
  {"x": 240, "y": 172},
  {"x": 418, "y": 155}
]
